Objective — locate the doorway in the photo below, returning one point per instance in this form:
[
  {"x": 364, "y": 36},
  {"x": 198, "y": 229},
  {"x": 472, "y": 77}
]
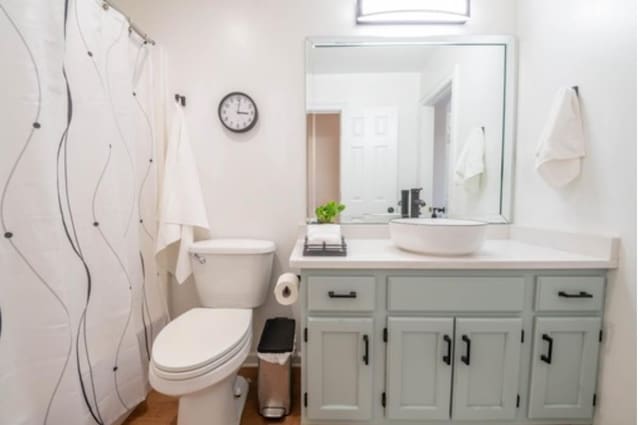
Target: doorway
[
  {"x": 441, "y": 148},
  {"x": 437, "y": 148},
  {"x": 323, "y": 159}
]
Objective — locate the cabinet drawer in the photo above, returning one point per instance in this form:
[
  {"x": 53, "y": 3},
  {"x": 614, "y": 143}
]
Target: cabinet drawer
[
  {"x": 341, "y": 293},
  {"x": 455, "y": 294},
  {"x": 574, "y": 293}
]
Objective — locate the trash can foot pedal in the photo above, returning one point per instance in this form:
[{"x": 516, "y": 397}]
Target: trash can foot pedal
[{"x": 273, "y": 412}]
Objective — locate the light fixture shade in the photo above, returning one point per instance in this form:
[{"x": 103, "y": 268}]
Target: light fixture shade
[{"x": 413, "y": 11}]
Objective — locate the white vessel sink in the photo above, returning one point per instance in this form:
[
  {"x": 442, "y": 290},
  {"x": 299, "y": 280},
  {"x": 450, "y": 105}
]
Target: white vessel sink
[{"x": 438, "y": 236}]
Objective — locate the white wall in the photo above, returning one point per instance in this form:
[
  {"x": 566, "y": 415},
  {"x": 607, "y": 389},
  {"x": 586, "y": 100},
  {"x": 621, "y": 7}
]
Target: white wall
[
  {"x": 477, "y": 101},
  {"x": 438, "y": 169},
  {"x": 255, "y": 184},
  {"x": 593, "y": 45},
  {"x": 396, "y": 89}
]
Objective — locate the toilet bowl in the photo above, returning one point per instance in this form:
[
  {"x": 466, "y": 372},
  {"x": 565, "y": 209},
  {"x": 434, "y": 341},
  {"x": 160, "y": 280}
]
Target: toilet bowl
[{"x": 196, "y": 357}]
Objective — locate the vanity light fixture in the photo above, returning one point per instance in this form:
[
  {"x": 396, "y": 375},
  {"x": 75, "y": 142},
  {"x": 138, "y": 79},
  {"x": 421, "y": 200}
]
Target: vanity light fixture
[{"x": 413, "y": 11}]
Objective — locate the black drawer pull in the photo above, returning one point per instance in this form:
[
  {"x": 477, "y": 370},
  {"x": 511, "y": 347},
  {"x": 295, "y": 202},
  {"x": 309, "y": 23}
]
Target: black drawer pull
[
  {"x": 581, "y": 294},
  {"x": 365, "y": 358},
  {"x": 447, "y": 357},
  {"x": 547, "y": 358},
  {"x": 466, "y": 359},
  {"x": 351, "y": 294}
]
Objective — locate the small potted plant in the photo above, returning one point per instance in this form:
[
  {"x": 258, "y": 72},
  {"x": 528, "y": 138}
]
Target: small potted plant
[
  {"x": 327, "y": 213},
  {"x": 326, "y": 233}
]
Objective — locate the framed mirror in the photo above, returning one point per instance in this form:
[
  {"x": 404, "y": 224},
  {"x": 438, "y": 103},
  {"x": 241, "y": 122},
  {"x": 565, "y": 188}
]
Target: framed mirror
[{"x": 391, "y": 115}]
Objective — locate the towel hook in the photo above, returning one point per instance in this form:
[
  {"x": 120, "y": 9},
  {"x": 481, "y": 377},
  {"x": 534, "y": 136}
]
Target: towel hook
[{"x": 182, "y": 100}]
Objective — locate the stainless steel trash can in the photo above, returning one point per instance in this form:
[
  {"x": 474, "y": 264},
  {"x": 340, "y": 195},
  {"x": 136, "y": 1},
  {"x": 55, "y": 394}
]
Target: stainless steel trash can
[{"x": 274, "y": 367}]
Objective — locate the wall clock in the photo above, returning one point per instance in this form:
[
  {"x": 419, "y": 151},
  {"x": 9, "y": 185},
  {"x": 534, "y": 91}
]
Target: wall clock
[{"x": 238, "y": 112}]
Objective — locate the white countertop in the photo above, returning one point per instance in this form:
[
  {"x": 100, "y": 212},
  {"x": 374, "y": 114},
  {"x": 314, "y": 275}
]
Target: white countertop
[{"x": 495, "y": 254}]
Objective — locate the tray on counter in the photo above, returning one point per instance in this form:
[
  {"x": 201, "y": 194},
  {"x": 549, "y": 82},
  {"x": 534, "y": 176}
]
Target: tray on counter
[{"x": 324, "y": 249}]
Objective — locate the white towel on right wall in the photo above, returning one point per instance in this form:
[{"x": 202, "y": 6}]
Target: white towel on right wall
[{"x": 562, "y": 146}]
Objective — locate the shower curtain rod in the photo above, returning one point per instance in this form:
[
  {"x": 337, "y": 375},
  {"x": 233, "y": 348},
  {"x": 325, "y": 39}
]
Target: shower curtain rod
[{"x": 132, "y": 26}]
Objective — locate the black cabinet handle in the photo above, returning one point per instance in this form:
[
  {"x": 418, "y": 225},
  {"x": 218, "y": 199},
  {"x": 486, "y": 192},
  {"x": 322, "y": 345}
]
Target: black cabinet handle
[
  {"x": 351, "y": 294},
  {"x": 365, "y": 358},
  {"x": 466, "y": 359},
  {"x": 547, "y": 358},
  {"x": 581, "y": 294},
  {"x": 447, "y": 357}
]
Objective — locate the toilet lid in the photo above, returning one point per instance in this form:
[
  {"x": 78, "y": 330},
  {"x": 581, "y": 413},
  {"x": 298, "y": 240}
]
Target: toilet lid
[{"x": 199, "y": 337}]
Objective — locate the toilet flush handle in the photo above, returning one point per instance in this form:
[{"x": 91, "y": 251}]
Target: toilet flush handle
[{"x": 200, "y": 258}]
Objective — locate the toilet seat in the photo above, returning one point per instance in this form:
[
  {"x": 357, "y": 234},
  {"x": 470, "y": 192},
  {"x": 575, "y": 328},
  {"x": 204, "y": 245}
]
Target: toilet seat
[{"x": 199, "y": 341}]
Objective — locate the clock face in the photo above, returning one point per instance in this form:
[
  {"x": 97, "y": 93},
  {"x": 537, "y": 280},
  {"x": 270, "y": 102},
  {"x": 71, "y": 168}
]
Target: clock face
[{"x": 238, "y": 112}]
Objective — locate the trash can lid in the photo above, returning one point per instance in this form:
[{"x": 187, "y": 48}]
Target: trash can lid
[{"x": 277, "y": 336}]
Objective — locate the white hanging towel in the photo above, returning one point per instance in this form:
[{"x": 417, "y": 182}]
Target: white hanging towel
[
  {"x": 470, "y": 165},
  {"x": 562, "y": 146},
  {"x": 181, "y": 206}
]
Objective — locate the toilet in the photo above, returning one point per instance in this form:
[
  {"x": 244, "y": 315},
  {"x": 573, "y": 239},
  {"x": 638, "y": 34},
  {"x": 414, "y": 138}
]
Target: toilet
[{"x": 196, "y": 357}]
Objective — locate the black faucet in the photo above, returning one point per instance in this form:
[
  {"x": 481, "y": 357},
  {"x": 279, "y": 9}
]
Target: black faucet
[
  {"x": 416, "y": 202},
  {"x": 404, "y": 203},
  {"x": 436, "y": 210}
]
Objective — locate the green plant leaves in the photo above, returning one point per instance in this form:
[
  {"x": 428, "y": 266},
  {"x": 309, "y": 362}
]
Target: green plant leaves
[{"x": 328, "y": 212}]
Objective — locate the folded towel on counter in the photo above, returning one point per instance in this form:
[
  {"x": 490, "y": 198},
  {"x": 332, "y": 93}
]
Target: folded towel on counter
[
  {"x": 327, "y": 233},
  {"x": 181, "y": 207},
  {"x": 562, "y": 146},
  {"x": 470, "y": 165}
]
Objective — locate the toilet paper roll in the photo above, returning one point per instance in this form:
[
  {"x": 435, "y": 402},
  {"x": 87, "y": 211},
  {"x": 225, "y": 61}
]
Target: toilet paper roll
[{"x": 287, "y": 288}]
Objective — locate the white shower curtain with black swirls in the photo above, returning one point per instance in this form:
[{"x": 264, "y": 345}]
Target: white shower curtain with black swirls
[{"x": 81, "y": 120}]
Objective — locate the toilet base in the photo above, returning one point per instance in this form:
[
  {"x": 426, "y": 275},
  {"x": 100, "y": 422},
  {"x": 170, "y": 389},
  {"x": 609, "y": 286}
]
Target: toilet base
[
  {"x": 241, "y": 386},
  {"x": 216, "y": 405}
]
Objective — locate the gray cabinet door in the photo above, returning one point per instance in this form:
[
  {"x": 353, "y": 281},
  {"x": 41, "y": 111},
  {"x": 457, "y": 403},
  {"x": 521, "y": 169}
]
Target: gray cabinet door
[
  {"x": 339, "y": 368},
  {"x": 487, "y": 360},
  {"x": 564, "y": 367},
  {"x": 419, "y": 366}
]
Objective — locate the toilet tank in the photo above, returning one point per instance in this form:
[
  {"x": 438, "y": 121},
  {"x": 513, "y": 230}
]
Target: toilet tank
[{"x": 232, "y": 273}]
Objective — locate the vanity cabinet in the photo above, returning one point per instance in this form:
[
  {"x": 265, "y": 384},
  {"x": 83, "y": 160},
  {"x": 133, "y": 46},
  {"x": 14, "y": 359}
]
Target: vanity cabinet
[
  {"x": 391, "y": 347},
  {"x": 487, "y": 365},
  {"x": 341, "y": 377},
  {"x": 422, "y": 368},
  {"x": 419, "y": 367},
  {"x": 564, "y": 365}
]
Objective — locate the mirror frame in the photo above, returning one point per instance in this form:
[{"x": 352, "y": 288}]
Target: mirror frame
[{"x": 508, "y": 42}]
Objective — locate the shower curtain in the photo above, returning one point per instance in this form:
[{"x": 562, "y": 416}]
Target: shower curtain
[{"x": 81, "y": 120}]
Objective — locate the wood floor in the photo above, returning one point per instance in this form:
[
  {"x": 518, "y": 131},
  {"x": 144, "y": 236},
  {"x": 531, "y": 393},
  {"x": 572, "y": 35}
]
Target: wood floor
[{"x": 160, "y": 409}]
